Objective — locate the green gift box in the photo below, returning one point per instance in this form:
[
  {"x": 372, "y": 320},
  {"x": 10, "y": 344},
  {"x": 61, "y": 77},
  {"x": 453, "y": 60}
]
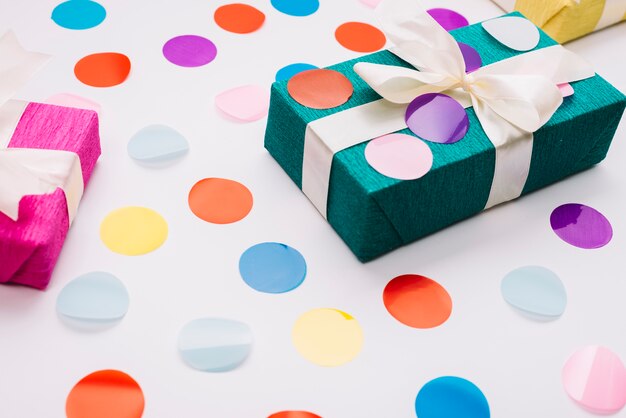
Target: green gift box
[{"x": 375, "y": 214}]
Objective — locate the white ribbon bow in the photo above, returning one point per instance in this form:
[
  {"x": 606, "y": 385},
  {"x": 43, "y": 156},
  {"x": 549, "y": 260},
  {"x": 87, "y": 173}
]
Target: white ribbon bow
[
  {"x": 512, "y": 98},
  {"x": 25, "y": 171}
]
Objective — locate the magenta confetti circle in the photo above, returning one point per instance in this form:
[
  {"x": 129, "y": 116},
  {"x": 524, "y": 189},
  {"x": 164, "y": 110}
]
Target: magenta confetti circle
[
  {"x": 472, "y": 58},
  {"x": 448, "y": 19},
  {"x": 581, "y": 226},
  {"x": 437, "y": 118},
  {"x": 189, "y": 51}
]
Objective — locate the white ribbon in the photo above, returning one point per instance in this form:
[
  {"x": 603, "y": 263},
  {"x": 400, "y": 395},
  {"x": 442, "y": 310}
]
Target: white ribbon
[
  {"x": 512, "y": 99},
  {"x": 25, "y": 171}
]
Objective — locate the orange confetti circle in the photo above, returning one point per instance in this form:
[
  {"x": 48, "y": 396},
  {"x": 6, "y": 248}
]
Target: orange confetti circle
[
  {"x": 320, "y": 88},
  {"x": 294, "y": 414},
  {"x": 105, "y": 394},
  {"x": 417, "y": 301},
  {"x": 239, "y": 18},
  {"x": 220, "y": 201},
  {"x": 360, "y": 37},
  {"x": 104, "y": 69}
]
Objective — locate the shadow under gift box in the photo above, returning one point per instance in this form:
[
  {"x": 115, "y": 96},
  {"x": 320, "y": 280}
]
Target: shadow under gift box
[
  {"x": 30, "y": 246},
  {"x": 375, "y": 214}
]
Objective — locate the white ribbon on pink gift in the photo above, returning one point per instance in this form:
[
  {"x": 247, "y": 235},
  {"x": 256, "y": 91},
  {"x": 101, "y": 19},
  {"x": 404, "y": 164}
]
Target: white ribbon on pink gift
[
  {"x": 27, "y": 171},
  {"x": 512, "y": 99}
]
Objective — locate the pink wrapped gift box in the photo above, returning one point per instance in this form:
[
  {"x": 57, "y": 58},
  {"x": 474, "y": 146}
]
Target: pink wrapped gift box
[{"x": 30, "y": 246}]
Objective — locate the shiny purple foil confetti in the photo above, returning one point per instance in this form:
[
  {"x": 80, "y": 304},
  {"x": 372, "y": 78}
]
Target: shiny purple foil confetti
[
  {"x": 189, "y": 51},
  {"x": 472, "y": 58},
  {"x": 448, "y": 19},
  {"x": 437, "y": 118},
  {"x": 581, "y": 226}
]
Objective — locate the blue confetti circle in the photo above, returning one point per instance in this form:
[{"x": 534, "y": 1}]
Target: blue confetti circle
[
  {"x": 296, "y": 7},
  {"x": 290, "y": 70},
  {"x": 79, "y": 14},
  {"x": 271, "y": 267},
  {"x": 447, "y": 397}
]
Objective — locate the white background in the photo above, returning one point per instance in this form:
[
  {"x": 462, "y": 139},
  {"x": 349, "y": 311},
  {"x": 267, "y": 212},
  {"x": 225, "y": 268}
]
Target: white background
[{"x": 515, "y": 361}]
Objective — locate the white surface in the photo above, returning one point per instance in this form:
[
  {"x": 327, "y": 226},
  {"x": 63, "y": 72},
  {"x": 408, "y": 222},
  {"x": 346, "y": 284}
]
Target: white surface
[{"x": 516, "y": 362}]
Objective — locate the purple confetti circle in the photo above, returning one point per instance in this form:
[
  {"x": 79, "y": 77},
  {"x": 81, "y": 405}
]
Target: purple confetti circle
[
  {"x": 581, "y": 226},
  {"x": 189, "y": 51},
  {"x": 437, "y": 118},
  {"x": 472, "y": 58},
  {"x": 448, "y": 19}
]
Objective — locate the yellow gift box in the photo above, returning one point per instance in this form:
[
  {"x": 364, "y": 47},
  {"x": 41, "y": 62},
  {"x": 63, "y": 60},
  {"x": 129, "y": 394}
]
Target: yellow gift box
[{"x": 565, "y": 20}]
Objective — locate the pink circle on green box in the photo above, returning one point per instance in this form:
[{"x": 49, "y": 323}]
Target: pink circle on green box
[
  {"x": 189, "y": 51},
  {"x": 399, "y": 156}
]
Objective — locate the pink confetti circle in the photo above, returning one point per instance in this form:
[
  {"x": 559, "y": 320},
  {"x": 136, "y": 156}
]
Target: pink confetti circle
[
  {"x": 189, "y": 51},
  {"x": 244, "y": 103},
  {"x": 399, "y": 156},
  {"x": 595, "y": 378}
]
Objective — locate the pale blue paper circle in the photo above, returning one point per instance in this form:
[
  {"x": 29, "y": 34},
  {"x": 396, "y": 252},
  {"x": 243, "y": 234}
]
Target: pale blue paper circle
[
  {"x": 157, "y": 144},
  {"x": 535, "y": 290},
  {"x": 215, "y": 344},
  {"x": 96, "y": 297},
  {"x": 271, "y": 267}
]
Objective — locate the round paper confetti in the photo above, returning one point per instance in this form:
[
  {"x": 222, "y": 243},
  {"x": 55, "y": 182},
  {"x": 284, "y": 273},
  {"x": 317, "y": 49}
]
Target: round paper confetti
[
  {"x": 535, "y": 290},
  {"x": 437, "y": 118},
  {"x": 105, "y": 69},
  {"x": 566, "y": 89},
  {"x": 296, "y": 7},
  {"x": 371, "y": 3},
  {"x": 514, "y": 32},
  {"x": 245, "y": 103},
  {"x": 105, "y": 394},
  {"x": 290, "y": 70},
  {"x": 79, "y": 14},
  {"x": 360, "y": 37},
  {"x": 417, "y": 301},
  {"x": 472, "y": 58},
  {"x": 399, "y": 156},
  {"x": 220, "y": 201},
  {"x": 448, "y": 19},
  {"x": 157, "y": 144},
  {"x": 94, "y": 297},
  {"x": 595, "y": 378},
  {"x": 327, "y": 337},
  {"x": 320, "y": 89},
  {"x": 215, "y": 344},
  {"x": 271, "y": 267},
  {"x": 447, "y": 397},
  {"x": 133, "y": 230},
  {"x": 239, "y": 18},
  {"x": 189, "y": 51},
  {"x": 581, "y": 226},
  {"x": 294, "y": 414},
  {"x": 72, "y": 100}
]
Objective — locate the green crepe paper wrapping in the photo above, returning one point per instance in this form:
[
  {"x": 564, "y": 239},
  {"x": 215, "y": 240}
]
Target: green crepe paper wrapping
[{"x": 375, "y": 214}]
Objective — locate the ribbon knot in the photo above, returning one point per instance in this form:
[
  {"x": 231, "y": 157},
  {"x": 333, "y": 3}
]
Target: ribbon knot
[{"x": 466, "y": 83}]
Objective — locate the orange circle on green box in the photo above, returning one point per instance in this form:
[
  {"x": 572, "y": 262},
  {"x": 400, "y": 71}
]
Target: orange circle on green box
[
  {"x": 239, "y": 18},
  {"x": 133, "y": 230},
  {"x": 320, "y": 88},
  {"x": 104, "y": 69},
  {"x": 105, "y": 394},
  {"x": 220, "y": 201},
  {"x": 360, "y": 37},
  {"x": 417, "y": 301}
]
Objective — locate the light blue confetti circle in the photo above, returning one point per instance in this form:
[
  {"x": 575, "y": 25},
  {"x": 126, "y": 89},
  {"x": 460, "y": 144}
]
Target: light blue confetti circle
[
  {"x": 94, "y": 297},
  {"x": 290, "y": 70},
  {"x": 272, "y": 267},
  {"x": 79, "y": 14},
  {"x": 535, "y": 290},
  {"x": 157, "y": 144},
  {"x": 296, "y": 7},
  {"x": 448, "y": 397},
  {"x": 215, "y": 344}
]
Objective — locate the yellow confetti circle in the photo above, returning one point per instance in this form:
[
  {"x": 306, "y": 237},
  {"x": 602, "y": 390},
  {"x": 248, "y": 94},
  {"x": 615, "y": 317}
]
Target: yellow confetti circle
[
  {"x": 327, "y": 337},
  {"x": 133, "y": 230}
]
